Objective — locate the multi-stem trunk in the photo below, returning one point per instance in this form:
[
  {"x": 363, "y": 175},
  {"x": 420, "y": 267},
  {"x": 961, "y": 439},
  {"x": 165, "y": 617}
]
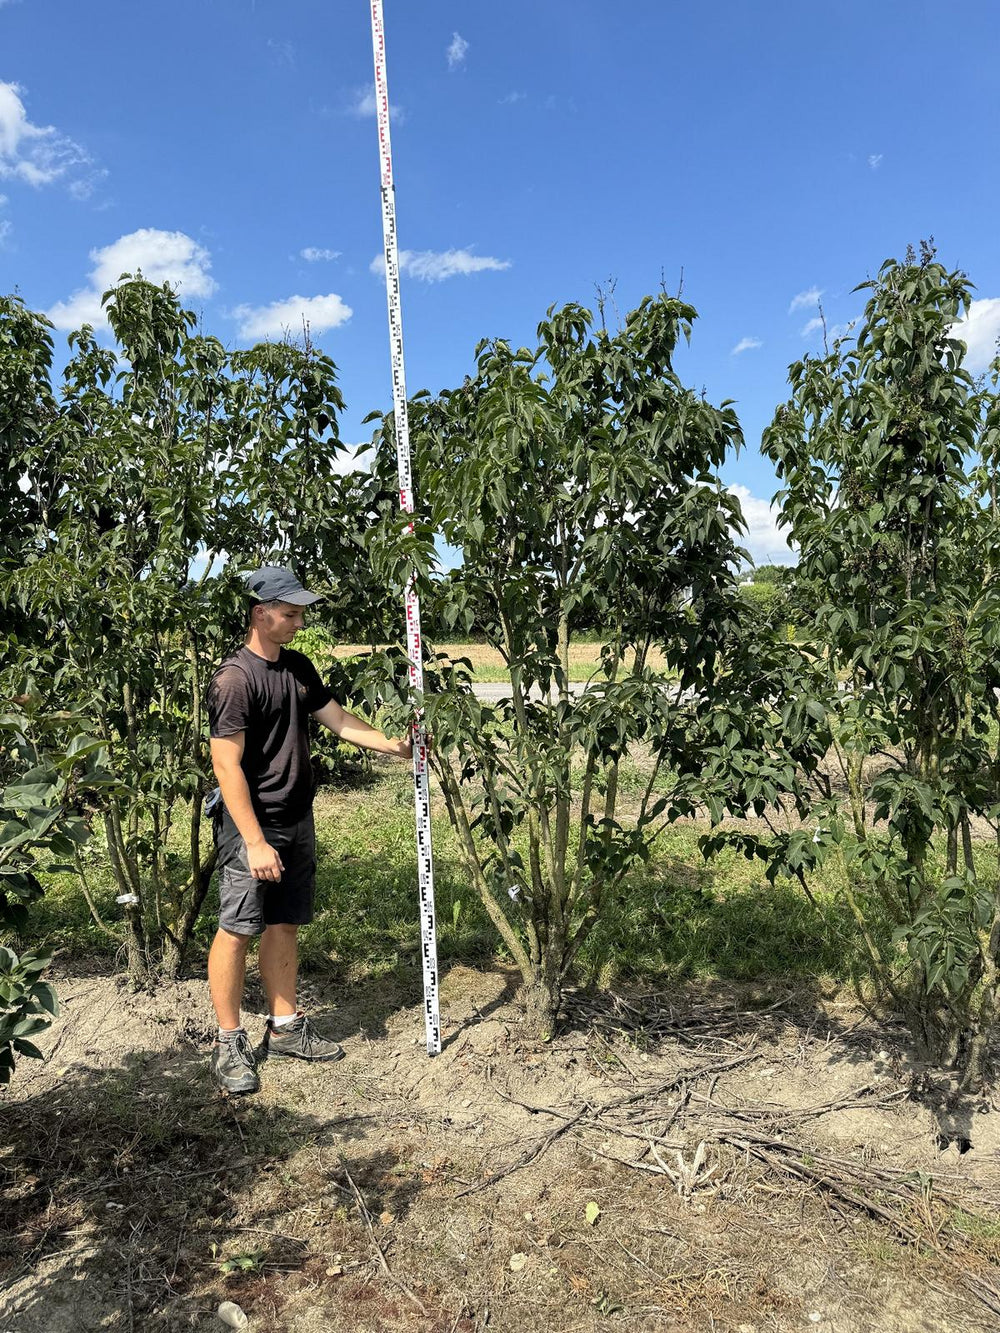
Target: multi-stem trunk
[
  {"x": 126, "y": 877},
  {"x": 542, "y": 963},
  {"x": 542, "y": 999},
  {"x": 176, "y": 940}
]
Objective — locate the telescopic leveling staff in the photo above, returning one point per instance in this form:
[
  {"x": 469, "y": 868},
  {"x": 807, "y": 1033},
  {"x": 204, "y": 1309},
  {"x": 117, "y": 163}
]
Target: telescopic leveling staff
[{"x": 425, "y": 862}]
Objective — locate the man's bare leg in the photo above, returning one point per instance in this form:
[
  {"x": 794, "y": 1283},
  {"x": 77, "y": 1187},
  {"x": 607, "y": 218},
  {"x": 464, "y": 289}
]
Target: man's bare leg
[
  {"x": 227, "y": 965},
  {"x": 279, "y": 966}
]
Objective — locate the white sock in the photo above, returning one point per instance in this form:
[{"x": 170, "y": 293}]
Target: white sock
[
  {"x": 230, "y": 1032},
  {"x": 279, "y": 1020}
]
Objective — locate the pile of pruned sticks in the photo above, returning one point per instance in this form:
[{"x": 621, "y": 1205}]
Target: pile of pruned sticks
[{"x": 681, "y": 1126}]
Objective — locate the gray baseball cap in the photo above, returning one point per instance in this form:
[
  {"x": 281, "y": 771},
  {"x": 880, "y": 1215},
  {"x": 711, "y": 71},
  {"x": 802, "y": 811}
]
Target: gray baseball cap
[{"x": 272, "y": 583}]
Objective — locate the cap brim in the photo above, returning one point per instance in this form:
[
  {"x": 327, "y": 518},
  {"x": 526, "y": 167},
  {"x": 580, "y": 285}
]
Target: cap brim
[{"x": 302, "y": 598}]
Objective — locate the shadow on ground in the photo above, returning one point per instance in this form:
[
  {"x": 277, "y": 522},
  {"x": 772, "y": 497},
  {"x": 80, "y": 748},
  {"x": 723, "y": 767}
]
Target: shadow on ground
[{"x": 135, "y": 1197}]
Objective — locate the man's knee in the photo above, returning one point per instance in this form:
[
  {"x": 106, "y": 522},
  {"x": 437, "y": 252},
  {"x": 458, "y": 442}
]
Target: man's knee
[{"x": 229, "y": 939}]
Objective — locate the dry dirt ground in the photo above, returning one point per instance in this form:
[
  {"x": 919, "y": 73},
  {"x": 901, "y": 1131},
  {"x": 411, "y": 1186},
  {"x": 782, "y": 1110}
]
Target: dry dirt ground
[{"x": 722, "y": 1159}]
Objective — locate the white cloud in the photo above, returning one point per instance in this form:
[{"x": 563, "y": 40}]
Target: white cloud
[
  {"x": 36, "y": 154},
  {"x": 435, "y": 266},
  {"x": 283, "y": 52},
  {"x": 763, "y": 539},
  {"x": 84, "y": 186},
  {"x": 746, "y": 345},
  {"x": 512, "y": 98},
  {"x": 806, "y": 298},
  {"x": 833, "y": 331},
  {"x": 979, "y": 330},
  {"x": 314, "y": 254},
  {"x": 457, "y": 50},
  {"x": 6, "y": 227},
  {"x": 874, "y": 160},
  {"x": 161, "y": 256},
  {"x": 354, "y": 458},
  {"x": 288, "y": 316},
  {"x": 842, "y": 330},
  {"x": 364, "y": 104}
]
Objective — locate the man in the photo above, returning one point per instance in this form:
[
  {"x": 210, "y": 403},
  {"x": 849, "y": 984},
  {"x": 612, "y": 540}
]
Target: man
[{"x": 259, "y": 704}]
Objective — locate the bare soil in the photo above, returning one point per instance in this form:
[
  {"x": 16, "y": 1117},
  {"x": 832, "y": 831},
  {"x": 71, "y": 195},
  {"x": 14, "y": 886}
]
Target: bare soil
[{"x": 757, "y": 1159}]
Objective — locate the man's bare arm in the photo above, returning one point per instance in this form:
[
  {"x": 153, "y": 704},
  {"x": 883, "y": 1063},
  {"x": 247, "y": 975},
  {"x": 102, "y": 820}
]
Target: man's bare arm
[
  {"x": 353, "y": 729},
  {"x": 262, "y": 858}
]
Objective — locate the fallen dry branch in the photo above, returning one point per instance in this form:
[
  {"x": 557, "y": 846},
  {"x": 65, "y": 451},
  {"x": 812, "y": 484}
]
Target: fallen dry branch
[
  {"x": 684, "y": 1078},
  {"x": 534, "y": 1150},
  {"x": 863, "y": 1098},
  {"x": 828, "y": 1175},
  {"x": 594, "y": 1114},
  {"x": 721, "y": 1025},
  {"x": 915, "y": 1210},
  {"x": 366, "y": 1217}
]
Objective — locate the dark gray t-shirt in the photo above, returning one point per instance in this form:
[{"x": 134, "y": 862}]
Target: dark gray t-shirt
[{"x": 270, "y": 702}]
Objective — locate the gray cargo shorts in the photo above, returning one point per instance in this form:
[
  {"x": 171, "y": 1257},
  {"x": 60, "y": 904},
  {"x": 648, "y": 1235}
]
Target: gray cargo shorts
[{"x": 248, "y": 905}]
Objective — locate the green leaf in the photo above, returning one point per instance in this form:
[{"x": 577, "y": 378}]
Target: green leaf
[
  {"x": 27, "y": 1048},
  {"x": 44, "y": 994},
  {"x": 29, "y": 796},
  {"x": 29, "y": 1027}
]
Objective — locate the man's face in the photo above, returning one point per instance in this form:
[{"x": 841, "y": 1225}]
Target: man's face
[{"x": 281, "y": 621}]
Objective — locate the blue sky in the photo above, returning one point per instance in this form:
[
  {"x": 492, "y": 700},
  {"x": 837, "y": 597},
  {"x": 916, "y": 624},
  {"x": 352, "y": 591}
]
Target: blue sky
[{"x": 771, "y": 150}]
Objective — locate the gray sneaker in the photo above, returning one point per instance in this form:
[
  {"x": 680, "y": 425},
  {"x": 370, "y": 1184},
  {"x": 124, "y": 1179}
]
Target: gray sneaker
[
  {"x": 234, "y": 1068},
  {"x": 297, "y": 1040}
]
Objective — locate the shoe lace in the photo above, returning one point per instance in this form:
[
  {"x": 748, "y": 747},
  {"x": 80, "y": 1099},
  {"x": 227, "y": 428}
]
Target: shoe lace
[
  {"x": 242, "y": 1050},
  {"x": 305, "y": 1034},
  {"x": 309, "y": 1035}
]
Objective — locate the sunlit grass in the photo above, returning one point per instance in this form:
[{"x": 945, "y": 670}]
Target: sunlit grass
[
  {"x": 677, "y": 916},
  {"x": 488, "y": 664}
]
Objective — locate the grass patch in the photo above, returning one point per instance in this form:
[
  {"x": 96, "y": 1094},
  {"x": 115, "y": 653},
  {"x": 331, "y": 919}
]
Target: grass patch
[
  {"x": 683, "y": 918},
  {"x": 981, "y": 1233},
  {"x": 678, "y": 916},
  {"x": 365, "y": 913}
]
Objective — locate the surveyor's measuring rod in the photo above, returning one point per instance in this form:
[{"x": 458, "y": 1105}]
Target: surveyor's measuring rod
[{"x": 425, "y": 860}]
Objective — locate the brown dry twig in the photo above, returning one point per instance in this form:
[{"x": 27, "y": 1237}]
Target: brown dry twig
[
  {"x": 827, "y": 1174},
  {"x": 366, "y": 1217},
  {"x": 535, "y": 1150},
  {"x": 859, "y": 1099},
  {"x": 594, "y": 1115}
]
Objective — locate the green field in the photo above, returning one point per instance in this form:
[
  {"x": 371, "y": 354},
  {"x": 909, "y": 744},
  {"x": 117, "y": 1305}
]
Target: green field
[{"x": 488, "y": 665}]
